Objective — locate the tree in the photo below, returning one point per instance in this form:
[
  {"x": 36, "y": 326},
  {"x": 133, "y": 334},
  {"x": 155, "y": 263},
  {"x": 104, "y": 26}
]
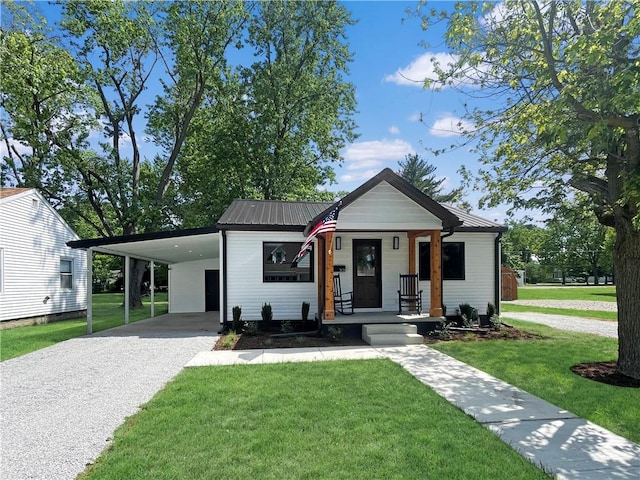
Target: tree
[
  {"x": 279, "y": 130},
  {"x": 565, "y": 74},
  {"x": 521, "y": 245},
  {"x": 421, "y": 174}
]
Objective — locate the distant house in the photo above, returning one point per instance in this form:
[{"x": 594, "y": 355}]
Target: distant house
[{"x": 41, "y": 278}]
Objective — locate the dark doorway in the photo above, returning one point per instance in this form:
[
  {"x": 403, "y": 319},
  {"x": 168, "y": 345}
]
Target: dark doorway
[
  {"x": 212, "y": 290},
  {"x": 367, "y": 274}
]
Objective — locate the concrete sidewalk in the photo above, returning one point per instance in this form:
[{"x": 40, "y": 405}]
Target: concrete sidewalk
[{"x": 554, "y": 439}]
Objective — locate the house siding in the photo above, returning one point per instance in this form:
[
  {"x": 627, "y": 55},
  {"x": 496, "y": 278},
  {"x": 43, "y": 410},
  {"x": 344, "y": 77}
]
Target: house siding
[
  {"x": 386, "y": 208},
  {"x": 187, "y": 285},
  {"x": 33, "y": 241},
  {"x": 244, "y": 277}
]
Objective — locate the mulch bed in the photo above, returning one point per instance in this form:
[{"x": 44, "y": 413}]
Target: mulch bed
[{"x": 605, "y": 372}]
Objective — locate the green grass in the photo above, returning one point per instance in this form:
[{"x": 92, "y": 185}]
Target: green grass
[
  {"x": 541, "y": 367},
  {"x": 329, "y": 420},
  {"x": 108, "y": 312},
  {"x": 600, "y": 315},
  {"x": 605, "y": 293}
]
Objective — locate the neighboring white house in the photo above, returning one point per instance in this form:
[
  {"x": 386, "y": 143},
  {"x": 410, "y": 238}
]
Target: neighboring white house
[{"x": 41, "y": 278}]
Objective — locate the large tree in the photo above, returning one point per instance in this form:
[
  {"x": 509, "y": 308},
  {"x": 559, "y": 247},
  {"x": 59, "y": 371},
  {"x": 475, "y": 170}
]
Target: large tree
[
  {"x": 422, "y": 175},
  {"x": 563, "y": 81},
  {"x": 279, "y": 131}
]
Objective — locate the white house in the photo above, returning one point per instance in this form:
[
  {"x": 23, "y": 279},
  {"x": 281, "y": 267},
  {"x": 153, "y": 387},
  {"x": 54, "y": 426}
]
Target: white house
[
  {"x": 385, "y": 228},
  {"x": 41, "y": 278}
]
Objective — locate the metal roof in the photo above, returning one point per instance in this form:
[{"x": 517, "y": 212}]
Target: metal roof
[
  {"x": 473, "y": 223},
  {"x": 269, "y": 214}
]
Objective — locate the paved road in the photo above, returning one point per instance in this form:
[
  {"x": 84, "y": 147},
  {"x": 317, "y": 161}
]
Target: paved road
[
  {"x": 574, "y": 324},
  {"x": 60, "y": 405}
]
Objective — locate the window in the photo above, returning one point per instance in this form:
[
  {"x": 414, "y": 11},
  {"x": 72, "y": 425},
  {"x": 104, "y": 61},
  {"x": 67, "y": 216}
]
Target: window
[
  {"x": 452, "y": 261},
  {"x": 66, "y": 273},
  {"x": 277, "y": 257}
]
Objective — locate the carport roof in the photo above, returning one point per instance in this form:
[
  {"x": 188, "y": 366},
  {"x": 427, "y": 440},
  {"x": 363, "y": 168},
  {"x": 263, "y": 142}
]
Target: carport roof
[{"x": 164, "y": 247}]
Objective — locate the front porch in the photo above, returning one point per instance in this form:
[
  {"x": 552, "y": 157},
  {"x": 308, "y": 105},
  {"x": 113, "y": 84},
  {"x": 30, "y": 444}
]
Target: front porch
[{"x": 362, "y": 318}]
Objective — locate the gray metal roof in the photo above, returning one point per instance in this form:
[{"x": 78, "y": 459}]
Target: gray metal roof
[
  {"x": 267, "y": 214},
  {"x": 473, "y": 223}
]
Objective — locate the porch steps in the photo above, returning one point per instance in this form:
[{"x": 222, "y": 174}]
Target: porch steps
[{"x": 391, "y": 334}]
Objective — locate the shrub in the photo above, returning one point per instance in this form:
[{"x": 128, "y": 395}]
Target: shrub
[
  {"x": 237, "y": 313},
  {"x": 305, "y": 311},
  {"x": 491, "y": 310},
  {"x": 469, "y": 315},
  {"x": 251, "y": 329},
  {"x": 495, "y": 322},
  {"x": 334, "y": 333},
  {"x": 229, "y": 340},
  {"x": 286, "y": 326},
  {"x": 444, "y": 332},
  {"x": 267, "y": 316}
]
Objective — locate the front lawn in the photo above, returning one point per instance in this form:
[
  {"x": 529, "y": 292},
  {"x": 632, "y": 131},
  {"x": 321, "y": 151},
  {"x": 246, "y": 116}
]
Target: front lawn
[
  {"x": 108, "y": 312},
  {"x": 328, "y": 420},
  {"x": 600, "y": 315},
  {"x": 541, "y": 367},
  {"x": 604, "y": 293}
]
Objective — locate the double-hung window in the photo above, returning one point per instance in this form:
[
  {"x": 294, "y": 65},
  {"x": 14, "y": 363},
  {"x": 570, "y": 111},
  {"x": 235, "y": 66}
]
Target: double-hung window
[{"x": 66, "y": 273}]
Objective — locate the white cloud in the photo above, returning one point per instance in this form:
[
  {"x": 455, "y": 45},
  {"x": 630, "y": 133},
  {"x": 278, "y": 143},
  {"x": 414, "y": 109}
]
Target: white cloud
[
  {"x": 366, "y": 159},
  {"x": 393, "y": 130},
  {"x": 422, "y": 68},
  {"x": 18, "y": 146},
  {"x": 449, "y": 125}
]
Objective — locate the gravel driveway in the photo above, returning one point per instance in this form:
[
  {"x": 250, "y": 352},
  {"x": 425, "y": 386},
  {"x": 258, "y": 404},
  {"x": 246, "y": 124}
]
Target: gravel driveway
[
  {"x": 59, "y": 406},
  {"x": 563, "y": 322}
]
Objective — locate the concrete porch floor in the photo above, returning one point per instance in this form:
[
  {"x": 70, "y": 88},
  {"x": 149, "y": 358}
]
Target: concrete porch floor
[{"x": 362, "y": 318}]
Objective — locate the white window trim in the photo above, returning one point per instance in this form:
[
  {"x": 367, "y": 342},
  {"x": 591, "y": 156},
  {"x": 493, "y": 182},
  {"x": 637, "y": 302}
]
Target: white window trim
[{"x": 72, "y": 273}]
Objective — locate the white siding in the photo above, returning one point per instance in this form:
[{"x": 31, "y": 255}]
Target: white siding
[
  {"x": 245, "y": 287},
  {"x": 187, "y": 286},
  {"x": 478, "y": 287},
  {"x": 33, "y": 239},
  {"x": 385, "y": 208}
]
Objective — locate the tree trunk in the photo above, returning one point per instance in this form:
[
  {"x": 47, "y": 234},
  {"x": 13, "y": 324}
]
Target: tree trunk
[
  {"x": 136, "y": 273},
  {"x": 627, "y": 274}
]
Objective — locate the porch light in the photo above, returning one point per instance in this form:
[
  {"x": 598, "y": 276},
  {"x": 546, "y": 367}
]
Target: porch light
[
  {"x": 396, "y": 243},
  {"x": 338, "y": 243}
]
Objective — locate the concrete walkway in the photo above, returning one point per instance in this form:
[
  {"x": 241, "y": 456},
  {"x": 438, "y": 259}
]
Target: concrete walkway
[
  {"x": 564, "y": 322},
  {"x": 556, "y": 440}
]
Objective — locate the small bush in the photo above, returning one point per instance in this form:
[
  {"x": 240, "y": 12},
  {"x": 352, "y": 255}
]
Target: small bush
[
  {"x": 469, "y": 315},
  {"x": 495, "y": 322},
  {"x": 444, "y": 332},
  {"x": 334, "y": 333},
  {"x": 237, "y": 313},
  {"x": 267, "y": 316},
  {"x": 286, "y": 326},
  {"x": 305, "y": 311},
  {"x": 491, "y": 310},
  {"x": 251, "y": 329},
  {"x": 229, "y": 340}
]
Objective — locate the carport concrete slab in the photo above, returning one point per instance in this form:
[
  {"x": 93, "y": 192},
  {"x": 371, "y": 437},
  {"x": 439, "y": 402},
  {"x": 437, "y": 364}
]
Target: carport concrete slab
[{"x": 573, "y": 448}]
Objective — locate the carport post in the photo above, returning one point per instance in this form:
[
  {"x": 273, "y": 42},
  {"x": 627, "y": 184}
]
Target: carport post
[
  {"x": 152, "y": 286},
  {"x": 127, "y": 263},
  {"x": 89, "y": 291}
]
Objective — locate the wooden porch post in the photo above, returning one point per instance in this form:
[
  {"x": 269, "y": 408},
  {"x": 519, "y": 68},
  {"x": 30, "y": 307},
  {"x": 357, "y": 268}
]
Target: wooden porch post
[
  {"x": 322, "y": 280},
  {"x": 329, "y": 312},
  {"x": 435, "y": 309}
]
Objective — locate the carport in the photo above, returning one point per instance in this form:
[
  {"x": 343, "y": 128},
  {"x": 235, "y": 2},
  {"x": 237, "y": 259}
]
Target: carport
[{"x": 178, "y": 247}]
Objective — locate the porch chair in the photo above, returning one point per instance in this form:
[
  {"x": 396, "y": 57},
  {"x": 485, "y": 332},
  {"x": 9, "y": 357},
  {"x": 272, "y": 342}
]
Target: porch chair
[
  {"x": 409, "y": 294},
  {"x": 342, "y": 301}
]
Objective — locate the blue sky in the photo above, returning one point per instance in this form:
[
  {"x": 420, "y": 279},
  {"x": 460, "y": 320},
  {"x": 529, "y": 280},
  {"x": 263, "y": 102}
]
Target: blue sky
[
  {"x": 389, "y": 66},
  {"x": 390, "y": 63}
]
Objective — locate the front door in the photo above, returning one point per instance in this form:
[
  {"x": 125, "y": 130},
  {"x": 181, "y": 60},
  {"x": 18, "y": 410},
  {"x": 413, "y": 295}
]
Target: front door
[
  {"x": 212, "y": 290},
  {"x": 367, "y": 274}
]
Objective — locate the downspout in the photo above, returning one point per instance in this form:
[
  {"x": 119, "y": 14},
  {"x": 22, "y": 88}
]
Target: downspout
[
  {"x": 442, "y": 237},
  {"x": 498, "y": 273},
  {"x": 225, "y": 324}
]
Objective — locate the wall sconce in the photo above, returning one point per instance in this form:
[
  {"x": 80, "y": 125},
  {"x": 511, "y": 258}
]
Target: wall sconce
[
  {"x": 338, "y": 243},
  {"x": 396, "y": 243}
]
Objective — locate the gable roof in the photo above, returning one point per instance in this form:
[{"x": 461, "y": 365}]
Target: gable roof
[
  {"x": 269, "y": 214},
  {"x": 449, "y": 219}
]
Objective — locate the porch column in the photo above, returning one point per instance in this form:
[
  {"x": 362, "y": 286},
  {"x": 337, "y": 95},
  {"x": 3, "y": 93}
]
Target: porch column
[
  {"x": 152, "y": 287},
  {"x": 435, "y": 309},
  {"x": 127, "y": 264},
  {"x": 329, "y": 312},
  {"x": 322, "y": 281},
  {"x": 89, "y": 291}
]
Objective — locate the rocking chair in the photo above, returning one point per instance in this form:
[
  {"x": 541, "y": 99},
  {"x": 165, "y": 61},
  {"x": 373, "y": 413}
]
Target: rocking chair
[
  {"x": 409, "y": 294},
  {"x": 342, "y": 301}
]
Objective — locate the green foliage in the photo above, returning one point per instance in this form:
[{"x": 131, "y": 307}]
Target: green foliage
[
  {"x": 421, "y": 174},
  {"x": 267, "y": 316},
  {"x": 251, "y": 329},
  {"x": 286, "y": 326},
  {"x": 334, "y": 333},
  {"x": 229, "y": 340},
  {"x": 237, "y": 314},
  {"x": 491, "y": 309},
  {"x": 305, "y": 311},
  {"x": 495, "y": 322},
  {"x": 469, "y": 315}
]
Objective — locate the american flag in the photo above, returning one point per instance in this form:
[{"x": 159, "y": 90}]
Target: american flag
[{"x": 327, "y": 224}]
